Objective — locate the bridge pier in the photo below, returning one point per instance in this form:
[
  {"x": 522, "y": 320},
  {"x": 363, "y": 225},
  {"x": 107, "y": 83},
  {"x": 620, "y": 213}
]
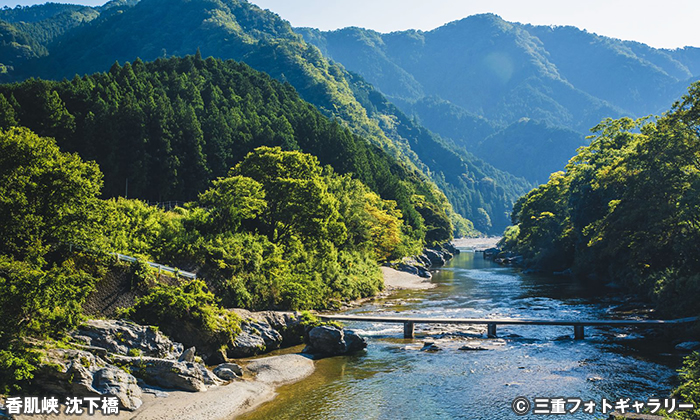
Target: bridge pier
[
  {"x": 408, "y": 329},
  {"x": 578, "y": 332},
  {"x": 491, "y": 330}
]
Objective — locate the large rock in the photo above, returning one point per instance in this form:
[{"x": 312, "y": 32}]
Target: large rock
[
  {"x": 264, "y": 331},
  {"x": 187, "y": 355},
  {"x": 328, "y": 340},
  {"x": 121, "y": 337},
  {"x": 436, "y": 258},
  {"x": 228, "y": 371},
  {"x": 111, "y": 380},
  {"x": 69, "y": 372},
  {"x": 168, "y": 373}
]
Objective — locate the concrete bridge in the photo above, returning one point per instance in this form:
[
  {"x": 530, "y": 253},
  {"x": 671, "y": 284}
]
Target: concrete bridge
[{"x": 491, "y": 323}]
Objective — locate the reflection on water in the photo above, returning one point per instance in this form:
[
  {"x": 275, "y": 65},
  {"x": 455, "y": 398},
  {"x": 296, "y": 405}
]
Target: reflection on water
[{"x": 394, "y": 379}]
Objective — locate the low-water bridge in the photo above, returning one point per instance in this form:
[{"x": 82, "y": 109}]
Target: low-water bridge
[{"x": 491, "y": 323}]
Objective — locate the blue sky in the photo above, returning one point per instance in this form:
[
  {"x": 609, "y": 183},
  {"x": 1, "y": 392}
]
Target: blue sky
[{"x": 663, "y": 24}]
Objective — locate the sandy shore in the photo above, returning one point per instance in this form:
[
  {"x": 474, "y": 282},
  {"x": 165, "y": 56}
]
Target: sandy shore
[
  {"x": 222, "y": 402},
  {"x": 395, "y": 280},
  {"x": 477, "y": 244}
]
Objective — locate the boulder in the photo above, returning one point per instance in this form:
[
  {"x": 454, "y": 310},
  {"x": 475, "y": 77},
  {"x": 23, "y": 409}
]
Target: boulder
[
  {"x": 436, "y": 258},
  {"x": 328, "y": 340},
  {"x": 225, "y": 374},
  {"x": 254, "y": 338},
  {"x": 472, "y": 348},
  {"x": 353, "y": 342},
  {"x": 429, "y": 346},
  {"x": 232, "y": 367},
  {"x": 120, "y": 337},
  {"x": 79, "y": 373},
  {"x": 187, "y": 355},
  {"x": 228, "y": 371},
  {"x": 166, "y": 373}
]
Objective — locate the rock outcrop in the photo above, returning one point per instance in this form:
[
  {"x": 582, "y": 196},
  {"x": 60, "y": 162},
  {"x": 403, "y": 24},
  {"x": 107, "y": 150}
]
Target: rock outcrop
[
  {"x": 122, "y": 337},
  {"x": 265, "y": 331},
  {"x": 430, "y": 258},
  {"x": 113, "y": 355},
  {"x": 82, "y": 374},
  {"x": 329, "y": 340},
  {"x": 171, "y": 374}
]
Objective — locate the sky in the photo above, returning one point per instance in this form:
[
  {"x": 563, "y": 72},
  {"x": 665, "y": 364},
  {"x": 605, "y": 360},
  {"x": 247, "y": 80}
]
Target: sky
[{"x": 661, "y": 24}]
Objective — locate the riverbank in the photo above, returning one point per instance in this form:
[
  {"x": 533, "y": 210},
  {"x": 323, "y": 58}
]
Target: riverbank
[
  {"x": 221, "y": 402},
  {"x": 477, "y": 244},
  {"x": 401, "y": 280}
]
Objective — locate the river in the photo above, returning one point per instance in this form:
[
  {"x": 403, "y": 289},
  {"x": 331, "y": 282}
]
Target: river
[{"x": 395, "y": 379}]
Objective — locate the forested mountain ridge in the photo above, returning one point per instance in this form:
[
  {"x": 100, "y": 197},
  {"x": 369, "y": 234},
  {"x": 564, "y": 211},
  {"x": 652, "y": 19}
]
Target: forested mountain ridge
[
  {"x": 242, "y": 31},
  {"x": 505, "y": 71},
  {"x": 471, "y": 78},
  {"x": 165, "y": 129}
]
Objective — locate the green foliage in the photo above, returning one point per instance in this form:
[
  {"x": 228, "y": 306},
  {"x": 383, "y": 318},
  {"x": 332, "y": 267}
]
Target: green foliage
[
  {"x": 626, "y": 208},
  {"x": 166, "y": 128},
  {"x": 46, "y": 197},
  {"x": 40, "y": 302},
  {"x": 689, "y": 390},
  {"x": 309, "y": 320},
  {"x": 188, "y": 313},
  {"x": 16, "y": 366}
]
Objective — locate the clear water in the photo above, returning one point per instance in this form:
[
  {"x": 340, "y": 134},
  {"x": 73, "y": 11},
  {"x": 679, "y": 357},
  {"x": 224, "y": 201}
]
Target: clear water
[{"x": 394, "y": 379}]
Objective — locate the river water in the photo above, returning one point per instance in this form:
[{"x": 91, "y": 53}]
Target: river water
[{"x": 395, "y": 379}]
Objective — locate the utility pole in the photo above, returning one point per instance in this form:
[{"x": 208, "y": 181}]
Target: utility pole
[{"x": 126, "y": 191}]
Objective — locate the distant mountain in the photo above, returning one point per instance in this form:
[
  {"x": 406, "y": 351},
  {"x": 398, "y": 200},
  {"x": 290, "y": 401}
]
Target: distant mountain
[
  {"x": 478, "y": 77},
  {"x": 520, "y": 148},
  {"x": 239, "y": 30},
  {"x": 506, "y": 71}
]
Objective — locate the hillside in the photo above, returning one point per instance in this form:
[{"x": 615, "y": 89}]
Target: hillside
[
  {"x": 242, "y": 31},
  {"x": 471, "y": 78},
  {"x": 161, "y": 131}
]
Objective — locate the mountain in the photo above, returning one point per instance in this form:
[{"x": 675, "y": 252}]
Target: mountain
[
  {"x": 505, "y": 71},
  {"x": 239, "y": 30},
  {"x": 520, "y": 148},
  {"x": 164, "y": 130},
  {"x": 472, "y": 78}
]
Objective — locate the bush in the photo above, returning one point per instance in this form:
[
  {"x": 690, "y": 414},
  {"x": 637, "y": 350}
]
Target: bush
[
  {"x": 188, "y": 313},
  {"x": 689, "y": 391}
]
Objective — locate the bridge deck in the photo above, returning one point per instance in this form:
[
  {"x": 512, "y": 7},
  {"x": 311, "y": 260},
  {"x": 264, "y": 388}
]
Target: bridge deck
[{"x": 491, "y": 323}]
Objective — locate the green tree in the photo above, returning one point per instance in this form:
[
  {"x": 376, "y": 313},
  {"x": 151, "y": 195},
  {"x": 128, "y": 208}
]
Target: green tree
[
  {"x": 298, "y": 199},
  {"x": 47, "y": 197}
]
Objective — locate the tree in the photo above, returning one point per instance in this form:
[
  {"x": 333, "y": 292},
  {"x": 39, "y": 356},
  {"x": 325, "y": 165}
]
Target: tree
[
  {"x": 298, "y": 199},
  {"x": 47, "y": 197},
  {"x": 233, "y": 200}
]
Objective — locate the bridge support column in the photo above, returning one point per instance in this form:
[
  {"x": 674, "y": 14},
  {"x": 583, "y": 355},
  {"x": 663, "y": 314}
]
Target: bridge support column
[
  {"x": 578, "y": 332},
  {"x": 491, "y": 330},
  {"x": 408, "y": 330}
]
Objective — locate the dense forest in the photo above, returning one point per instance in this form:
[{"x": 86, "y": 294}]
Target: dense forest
[
  {"x": 162, "y": 130},
  {"x": 625, "y": 209},
  {"x": 285, "y": 209},
  {"x": 242, "y": 31}
]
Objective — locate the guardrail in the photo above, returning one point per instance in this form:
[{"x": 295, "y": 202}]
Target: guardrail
[{"x": 161, "y": 268}]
